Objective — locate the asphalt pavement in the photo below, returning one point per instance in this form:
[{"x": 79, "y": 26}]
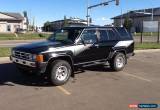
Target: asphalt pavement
[{"x": 93, "y": 88}]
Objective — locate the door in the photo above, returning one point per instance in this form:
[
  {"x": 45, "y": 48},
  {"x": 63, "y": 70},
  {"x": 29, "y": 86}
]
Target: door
[
  {"x": 107, "y": 38},
  {"x": 88, "y": 48}
]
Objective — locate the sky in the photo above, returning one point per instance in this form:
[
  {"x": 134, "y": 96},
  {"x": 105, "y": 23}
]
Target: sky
[{"x": 51, "y": 10}]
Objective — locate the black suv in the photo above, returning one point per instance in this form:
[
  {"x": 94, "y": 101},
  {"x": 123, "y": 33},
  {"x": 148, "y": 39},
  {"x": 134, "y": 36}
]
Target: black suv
[{"x": 73, "y": 47}]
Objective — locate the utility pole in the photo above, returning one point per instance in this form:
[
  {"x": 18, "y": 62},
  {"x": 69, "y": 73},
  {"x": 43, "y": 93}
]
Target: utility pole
[
  {"x": 121, "y": 18},
  {"x": 88, "y": 16},
  {"x": 152, "y": 14},
  {"x": 158, "y": 39},
  {"x": 33, "y": 24},
  {"x": 97, "y": 5}
]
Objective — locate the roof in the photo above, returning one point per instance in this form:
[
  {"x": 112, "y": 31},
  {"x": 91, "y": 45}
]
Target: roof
[
  {"x": 82, "y": 27},
  {"x": 81, "y": 20},
  {"x": 133, "y": 14},
  {"x": 17, "y": 16}
]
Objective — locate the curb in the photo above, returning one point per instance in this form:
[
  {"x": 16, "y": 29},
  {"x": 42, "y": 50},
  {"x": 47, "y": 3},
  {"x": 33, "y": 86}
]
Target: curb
[
  {"x": 2, "y": 59},
  {"x": 147, "y": 50}
]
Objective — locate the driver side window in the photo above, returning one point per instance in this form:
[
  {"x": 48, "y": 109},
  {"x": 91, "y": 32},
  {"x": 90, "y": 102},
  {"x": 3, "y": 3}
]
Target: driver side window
[{"x": 89, "y": 36}]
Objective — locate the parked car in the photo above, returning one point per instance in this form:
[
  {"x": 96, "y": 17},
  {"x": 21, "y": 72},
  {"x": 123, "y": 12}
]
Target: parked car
[
  {"x": 38, "y": 29},
  {"x": 74, "y": 47}
]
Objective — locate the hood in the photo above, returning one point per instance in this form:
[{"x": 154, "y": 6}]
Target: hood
[{"x": 38, "y": 47}]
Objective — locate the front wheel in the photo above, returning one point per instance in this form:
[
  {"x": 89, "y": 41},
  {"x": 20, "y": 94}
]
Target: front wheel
[
  {"x": 60, "y": 72},
  {"x": 118, "y": 62}
]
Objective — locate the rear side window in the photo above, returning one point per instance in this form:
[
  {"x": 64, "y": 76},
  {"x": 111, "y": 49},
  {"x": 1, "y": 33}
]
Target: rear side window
[
  {"x": 103, "y": 37},
  {"x": 111, "y": 34},
  {"x": 123, "y": 33}
]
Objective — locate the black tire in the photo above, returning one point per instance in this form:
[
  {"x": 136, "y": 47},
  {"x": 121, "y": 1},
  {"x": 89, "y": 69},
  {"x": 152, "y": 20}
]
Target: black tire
[
  {"x": 61, "y": 77},
  {"x": 118, "y": 62}
]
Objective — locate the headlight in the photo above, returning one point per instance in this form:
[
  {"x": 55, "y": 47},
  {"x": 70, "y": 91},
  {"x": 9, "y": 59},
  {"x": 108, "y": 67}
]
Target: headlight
[
  {"x": 32, "y": 57},
  {"x": 38, "y": 58}
]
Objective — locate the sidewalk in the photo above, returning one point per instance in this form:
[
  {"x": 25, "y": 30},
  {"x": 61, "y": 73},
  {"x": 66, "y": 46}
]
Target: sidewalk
[
  {"x": 13, "y": 43},
  {"x": 4, "y": 59},
  {"x": 147, "y": 50}
]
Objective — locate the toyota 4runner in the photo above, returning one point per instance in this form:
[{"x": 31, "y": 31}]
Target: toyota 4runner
[{"x": 73, "y": 47}]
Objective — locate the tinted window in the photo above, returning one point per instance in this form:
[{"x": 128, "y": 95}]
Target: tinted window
[
  {"x": 123, "y": 33},
  {"x": 111, "y": 34},
  {"x": 89, "y": 36},
  {"x": 103, "y": 37}
]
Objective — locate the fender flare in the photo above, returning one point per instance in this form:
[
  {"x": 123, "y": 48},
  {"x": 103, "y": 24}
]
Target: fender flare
[
  {"x": 66, "y": 57},
  {"x": 114, "y": 52}
]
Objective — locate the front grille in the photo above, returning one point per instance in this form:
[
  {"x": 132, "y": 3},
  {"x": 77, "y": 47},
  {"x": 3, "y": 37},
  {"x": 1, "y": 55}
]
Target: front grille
[{"x": 23, "y": 55}]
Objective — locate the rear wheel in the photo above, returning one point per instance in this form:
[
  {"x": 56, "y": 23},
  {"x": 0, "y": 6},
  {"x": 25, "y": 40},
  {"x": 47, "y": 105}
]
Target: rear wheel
[
  {"x": 118, "y": 62},
  {"x": 60, "y": 72}
]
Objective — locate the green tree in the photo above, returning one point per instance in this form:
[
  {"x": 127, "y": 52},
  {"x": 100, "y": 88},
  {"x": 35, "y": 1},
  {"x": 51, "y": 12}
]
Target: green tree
[
  {"x": 26, "y": 16},
  {"x": 65, "y": 22},
  {"x": 47, "y": 26},
  {"x": 25, "y": 13},
  {"x": 128, "y": 24}
]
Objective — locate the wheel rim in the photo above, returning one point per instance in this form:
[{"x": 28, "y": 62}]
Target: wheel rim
[
  {"x": 120, "y": 62},
  {"x": 61, "y": 73}
]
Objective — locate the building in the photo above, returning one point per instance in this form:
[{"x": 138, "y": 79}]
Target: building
[
  {"x": 11, "y": 22},
  {"x": 52, "y": 26},
  {"x": 137, "y": 17}
]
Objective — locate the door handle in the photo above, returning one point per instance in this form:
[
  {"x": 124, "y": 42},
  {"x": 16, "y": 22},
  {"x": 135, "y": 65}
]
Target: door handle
[{"x": 96, "y": 45}]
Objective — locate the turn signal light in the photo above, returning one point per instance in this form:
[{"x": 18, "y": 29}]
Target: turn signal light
[{"x": 39, "y": 58}]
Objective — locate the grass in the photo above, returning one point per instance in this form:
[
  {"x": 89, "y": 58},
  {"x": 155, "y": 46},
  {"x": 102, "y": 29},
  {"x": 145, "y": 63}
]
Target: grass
[
  {"x": 146, "y": 34},
  {"x": 27, "y": 36},
  {"x": 147, "y": 46},
  {"x": 5, "y": 51}
]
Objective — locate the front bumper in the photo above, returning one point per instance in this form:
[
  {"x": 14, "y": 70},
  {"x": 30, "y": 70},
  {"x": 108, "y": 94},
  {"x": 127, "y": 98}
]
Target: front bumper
[
  {"x": 29, "y": 65},
  {"x": 23, "y": 62}
]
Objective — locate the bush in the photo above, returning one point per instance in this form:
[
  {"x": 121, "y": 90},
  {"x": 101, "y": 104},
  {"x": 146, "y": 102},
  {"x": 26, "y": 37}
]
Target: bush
[{"x": 41, "y": 35}]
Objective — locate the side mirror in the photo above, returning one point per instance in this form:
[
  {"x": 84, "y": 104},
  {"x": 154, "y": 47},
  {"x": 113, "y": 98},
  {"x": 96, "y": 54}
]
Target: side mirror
[
  {"x": 80, "y": 41},
  {"x": 83, "y": 42}
]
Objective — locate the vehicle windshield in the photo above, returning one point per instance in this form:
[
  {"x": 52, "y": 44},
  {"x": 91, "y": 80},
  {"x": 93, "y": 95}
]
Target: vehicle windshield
[{"x": 65, "y": 36}]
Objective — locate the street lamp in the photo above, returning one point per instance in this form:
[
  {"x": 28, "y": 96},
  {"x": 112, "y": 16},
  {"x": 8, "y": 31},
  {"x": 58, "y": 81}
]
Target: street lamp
[
  {"x": 97, "y": 5},
  {"x": 117, "y": 2}
]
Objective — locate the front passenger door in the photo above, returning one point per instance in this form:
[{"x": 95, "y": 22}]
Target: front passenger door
[{"x": 88, "y": 47}]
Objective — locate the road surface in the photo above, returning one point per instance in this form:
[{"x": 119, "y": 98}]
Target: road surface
[{"x": 94, "y": 88}]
